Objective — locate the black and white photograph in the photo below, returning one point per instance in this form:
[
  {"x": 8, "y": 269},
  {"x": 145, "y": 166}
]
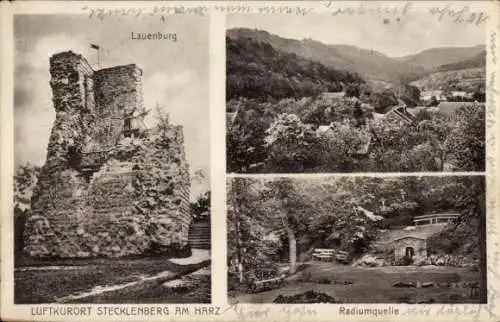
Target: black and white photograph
[
  {"x": 324, "y": 93},
  {"x": 405, "y": 239},
  {"x": 112, "y": 159}
]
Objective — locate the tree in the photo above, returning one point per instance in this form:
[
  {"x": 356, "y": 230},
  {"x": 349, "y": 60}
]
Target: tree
[
  {"x": 339, "y": 147},
  {"x": 433, "y": 101},
  {"x": 410, "y": 95},
  {"x": 352, "y": 90},
  {"x": 358, "y": 115},
  {"x": 200, "y": 209},
  {"x": 291, "y": 211},
  {"x": 383, "y": 100},
  {"x": 245, "y": 144},
  {"x": 249, "y": 226},
  {"x": 290, "y": 143},
  {"x": 25, "y": 179},
  {"x": 435, "y": 131},
  {"x": 466, "y": 142}
]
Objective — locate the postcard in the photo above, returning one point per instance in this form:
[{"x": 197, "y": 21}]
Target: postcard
[{"x": 250, "y": 161}]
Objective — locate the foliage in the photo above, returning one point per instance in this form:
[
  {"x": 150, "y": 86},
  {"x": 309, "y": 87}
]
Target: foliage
[
  {"x": 470, "y": 80},
  {"x": 403, "y": 261},
  {"x": 257, "y": 70},
  {"x": 290, "y": 144},
  {"x": 382, "y": 100},
  {"x": 327, "y": 134},
  {"x": 311, "y": 297},
  {"x": 409, "y": 94},
  {"x": 200, "y": 209},
  {"x": 25, "y": 178},
  {"x": 466, "y": 142},
  {"x": 322, "y": 213},
  {"x": 352, "y": 90}
]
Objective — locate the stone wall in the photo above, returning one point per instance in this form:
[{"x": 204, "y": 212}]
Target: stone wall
[
  {"x": 419, "y": 247},
  {"x": 137, "y": 200},
  {"x": 118, "y": 91}
]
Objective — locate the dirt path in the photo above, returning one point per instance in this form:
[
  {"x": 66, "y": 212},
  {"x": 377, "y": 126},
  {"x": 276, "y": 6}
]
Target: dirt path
[{"x": 142, "y": 283}]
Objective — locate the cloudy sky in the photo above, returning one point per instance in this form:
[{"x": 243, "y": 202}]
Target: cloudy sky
[
  {"x": 175, "y": 75},
  {"x": 415, "y": 31}
]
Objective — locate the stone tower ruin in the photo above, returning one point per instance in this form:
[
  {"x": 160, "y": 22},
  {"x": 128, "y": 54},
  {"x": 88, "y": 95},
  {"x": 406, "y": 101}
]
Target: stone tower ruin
[{"x": 109, "y": 186}]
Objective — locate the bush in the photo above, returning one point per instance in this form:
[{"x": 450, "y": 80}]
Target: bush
[
  {"x": 171, "y": 251},
  {"x": 404, "y": 261},
  {"x": 308, "y": 297}
]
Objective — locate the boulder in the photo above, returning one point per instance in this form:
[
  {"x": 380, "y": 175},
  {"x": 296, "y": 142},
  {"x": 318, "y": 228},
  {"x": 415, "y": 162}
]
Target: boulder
[
  {"x": 369, "y": 261},
  {"x": 404, "y": 284}
]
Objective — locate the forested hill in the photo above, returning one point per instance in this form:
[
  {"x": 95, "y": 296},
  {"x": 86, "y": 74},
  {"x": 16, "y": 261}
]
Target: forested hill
[
  {"x": 365, "y": 62},
  {"x": 256, "y": 70},
  {"x": 435, "y": 58},
  {"x": 477, "y": 61},
  {"x": 369, "y": 64}
]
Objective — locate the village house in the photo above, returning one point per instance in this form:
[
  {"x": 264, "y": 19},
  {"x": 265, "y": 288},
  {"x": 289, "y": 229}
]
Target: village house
[
  {"x": 332, "y": 95},
  {"x": 427, "y": 95},
  {"x": 413, "y": 242},
  {"x": 401, "y": 114},
  {"x": 460, "y": 94}
]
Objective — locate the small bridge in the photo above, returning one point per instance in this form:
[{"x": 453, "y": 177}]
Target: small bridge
[{"x": 435, "y": 219}]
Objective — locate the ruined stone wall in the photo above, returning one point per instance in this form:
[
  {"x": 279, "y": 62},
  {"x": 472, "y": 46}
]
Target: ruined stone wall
[
  {"x": 118, "y": 90},
  {"x": 139, "y": 197},
  {"x": 55, "y": 200}
]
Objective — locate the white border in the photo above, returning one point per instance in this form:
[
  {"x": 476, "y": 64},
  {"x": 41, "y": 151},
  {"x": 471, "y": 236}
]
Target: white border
[{"x": 267, "y": 312}]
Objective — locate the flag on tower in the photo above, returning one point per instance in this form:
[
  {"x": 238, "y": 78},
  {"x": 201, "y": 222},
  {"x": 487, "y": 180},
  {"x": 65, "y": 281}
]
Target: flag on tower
[{"x": 93, "y": 46}]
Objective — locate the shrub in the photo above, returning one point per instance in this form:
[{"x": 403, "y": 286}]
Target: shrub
[
  {"x": 404, "y": 261},
  {"x": 305, "y": 298}
]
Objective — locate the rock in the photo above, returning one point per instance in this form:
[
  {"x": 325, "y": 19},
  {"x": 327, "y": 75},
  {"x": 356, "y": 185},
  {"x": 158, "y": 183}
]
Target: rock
[
  {"x": 427, "y": 284},
  {"x": 428, "y": 301},
  {"x": 174, "y": 283},
  {"x": 369, "y": 261},
  {"x": 404, "y": 284}
]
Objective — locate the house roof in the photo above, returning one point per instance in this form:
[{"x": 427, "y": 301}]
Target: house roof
[
  {"x": 333, "y": 94},
  {"x": 401, "y": 112},
  {"x": 409, "y": 237}
]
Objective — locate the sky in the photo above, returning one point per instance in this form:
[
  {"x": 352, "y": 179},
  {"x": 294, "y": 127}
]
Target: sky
[
  {"x": 175, "y": 75},
  {"x": 415, "y": 31}
]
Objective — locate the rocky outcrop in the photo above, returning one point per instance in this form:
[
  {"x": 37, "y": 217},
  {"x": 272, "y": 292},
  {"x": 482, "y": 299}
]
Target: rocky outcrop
[{"x": 135, "y": 199}]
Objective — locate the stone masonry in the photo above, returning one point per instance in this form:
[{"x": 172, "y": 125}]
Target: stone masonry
[{"x": 102, "y": 190}]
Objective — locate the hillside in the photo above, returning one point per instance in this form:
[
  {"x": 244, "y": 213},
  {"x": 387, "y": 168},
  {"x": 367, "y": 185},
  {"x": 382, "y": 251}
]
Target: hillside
[
  {"x": 462, "y": 79},
  {"x": 436, "y": 57},
  {"x": 369, "y": 64},
  {"x": 478, "y": 60},
  {"x": 257, "y": 70}
]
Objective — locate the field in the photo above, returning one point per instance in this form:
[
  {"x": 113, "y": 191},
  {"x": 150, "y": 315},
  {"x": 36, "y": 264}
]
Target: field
[
  {"x": 140, "y": 280},
  {"x": 372, "y": 285}
]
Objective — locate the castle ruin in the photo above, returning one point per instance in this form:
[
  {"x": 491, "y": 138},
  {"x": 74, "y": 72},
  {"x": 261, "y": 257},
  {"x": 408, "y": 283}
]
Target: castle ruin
[{"x": 109, "y": 186}]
